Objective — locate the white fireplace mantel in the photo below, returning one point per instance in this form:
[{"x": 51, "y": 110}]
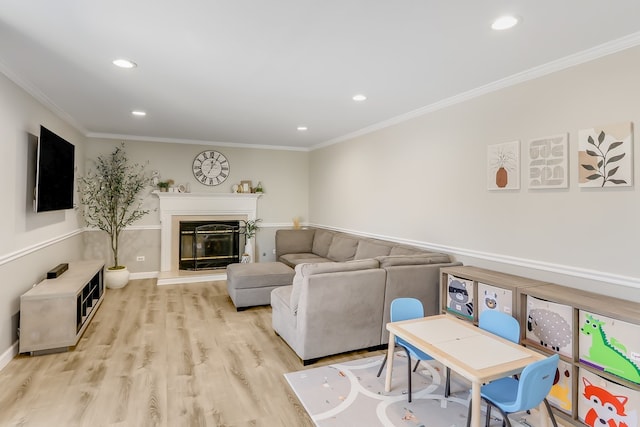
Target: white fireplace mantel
[{"x": 198, "y": 204}]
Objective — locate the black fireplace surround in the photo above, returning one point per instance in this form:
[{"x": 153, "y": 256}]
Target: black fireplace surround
[{"x": 208, "y": 245}]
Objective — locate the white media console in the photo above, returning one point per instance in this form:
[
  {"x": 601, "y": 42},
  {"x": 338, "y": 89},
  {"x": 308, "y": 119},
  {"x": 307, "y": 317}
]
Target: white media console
[{"x": 55, "y": 313}]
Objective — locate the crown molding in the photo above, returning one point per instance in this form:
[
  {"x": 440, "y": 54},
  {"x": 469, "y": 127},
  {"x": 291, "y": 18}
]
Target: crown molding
[{"x": 585, "y": 56}]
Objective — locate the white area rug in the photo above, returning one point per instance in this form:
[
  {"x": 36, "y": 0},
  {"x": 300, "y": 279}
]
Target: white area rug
[{"x": 350, "y": 394}]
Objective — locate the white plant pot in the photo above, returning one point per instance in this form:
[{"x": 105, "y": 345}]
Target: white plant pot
[
  {"x": 115, "y": 279},
  {"x": 247, "y": 256}
]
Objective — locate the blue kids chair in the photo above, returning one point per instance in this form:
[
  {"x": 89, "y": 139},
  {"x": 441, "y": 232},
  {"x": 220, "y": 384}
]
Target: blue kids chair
[
  {"x": 406, "y": 309},
  {"x": 500, "y": 324},
  {"x": 510, "y": 395}
]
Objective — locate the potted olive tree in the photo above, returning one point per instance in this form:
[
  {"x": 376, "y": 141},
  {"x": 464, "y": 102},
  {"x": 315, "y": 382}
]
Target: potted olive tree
[{"x": 111, "y": 193}]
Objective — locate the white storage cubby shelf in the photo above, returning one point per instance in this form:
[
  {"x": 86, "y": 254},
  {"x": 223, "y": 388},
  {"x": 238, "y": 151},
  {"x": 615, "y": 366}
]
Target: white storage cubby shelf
[
  {"x": 55, "y": 313},
  {"x": 598, "y": 339},
  {"x": 596, "y": 336},
  {"x": 467, "y": 291}
]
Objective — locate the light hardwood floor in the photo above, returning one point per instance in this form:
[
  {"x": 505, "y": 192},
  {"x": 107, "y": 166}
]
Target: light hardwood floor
[{"x": 170, "y": 356}]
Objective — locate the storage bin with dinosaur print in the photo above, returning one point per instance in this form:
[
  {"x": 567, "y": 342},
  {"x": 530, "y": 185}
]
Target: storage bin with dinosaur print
[{"x": 610, "y": 345}]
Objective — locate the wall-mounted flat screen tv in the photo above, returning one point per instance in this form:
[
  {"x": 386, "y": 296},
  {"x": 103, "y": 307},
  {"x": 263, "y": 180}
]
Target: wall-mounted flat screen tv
[{"x": 54, "y": 173}]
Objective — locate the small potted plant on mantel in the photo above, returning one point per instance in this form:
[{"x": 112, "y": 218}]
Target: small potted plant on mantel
[{"x": 111, "y": 193}]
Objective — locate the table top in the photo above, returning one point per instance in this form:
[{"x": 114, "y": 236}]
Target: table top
[{"x": 474, "y": 353}]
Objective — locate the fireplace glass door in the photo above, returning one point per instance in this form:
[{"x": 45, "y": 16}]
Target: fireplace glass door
[{"x": 208, "y": 245}]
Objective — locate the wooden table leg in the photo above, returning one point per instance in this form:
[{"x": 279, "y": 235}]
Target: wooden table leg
[
  {"x": 475, "y": 404},
  {"x": 392, "y": 346}
]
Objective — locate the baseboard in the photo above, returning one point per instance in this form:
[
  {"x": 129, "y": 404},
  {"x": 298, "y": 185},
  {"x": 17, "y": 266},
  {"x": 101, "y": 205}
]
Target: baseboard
[
  {"x": 144, "y": 275},
  {"x": 169, "y": 278},
  {"x": 8, "y": 355}
]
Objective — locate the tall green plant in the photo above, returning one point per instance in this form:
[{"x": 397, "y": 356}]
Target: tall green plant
[{"x": 111, "y": 193}]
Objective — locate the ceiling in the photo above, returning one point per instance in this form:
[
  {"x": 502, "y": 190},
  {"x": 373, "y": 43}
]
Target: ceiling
[{"x": 250, "y": 72}]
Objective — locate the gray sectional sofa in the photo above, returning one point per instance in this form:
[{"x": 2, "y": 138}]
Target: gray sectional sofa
[{"x": 343, "y": 287}]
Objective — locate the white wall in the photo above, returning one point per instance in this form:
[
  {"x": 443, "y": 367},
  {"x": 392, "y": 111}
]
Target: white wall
[
  {"x": 425, "y": 180},
  {"x": 31, "y": 243}
]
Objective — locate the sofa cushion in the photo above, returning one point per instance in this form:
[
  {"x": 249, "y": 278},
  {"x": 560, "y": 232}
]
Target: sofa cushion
[
  {"x": 342, "y": 248},
  {"x": 294, "y": 259},
  {"x": 294, "y": 241},
  {"x": 321, "y": 242},
  {"x": 371, "y": 249},
  {"x": 405, "y": 250},
  {"x": 424, "y": 258},
  {"x": 258, "y": 275},
  {"x": 305, "y": 270}
]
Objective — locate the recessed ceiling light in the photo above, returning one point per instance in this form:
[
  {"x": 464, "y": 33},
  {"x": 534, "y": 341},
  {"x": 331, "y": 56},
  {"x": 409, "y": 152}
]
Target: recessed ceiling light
[
  {"x": 139, "y": 113},
  {"x": 124, "y": 63},
  {"x": 504, "y": 22},
  {"x": 302, "y": 128},
  {"x": 359, "y": 98}
]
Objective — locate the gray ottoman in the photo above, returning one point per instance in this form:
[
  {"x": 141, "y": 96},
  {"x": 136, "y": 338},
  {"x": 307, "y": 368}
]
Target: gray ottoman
[{"x": 251, "y": 284}]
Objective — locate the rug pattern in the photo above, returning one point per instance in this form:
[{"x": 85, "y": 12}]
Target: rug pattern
[{"x": 350, "y": 394}]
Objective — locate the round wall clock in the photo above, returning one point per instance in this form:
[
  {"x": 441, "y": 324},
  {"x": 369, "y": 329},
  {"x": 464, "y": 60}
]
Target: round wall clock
[{"x": 210, "y": 167}]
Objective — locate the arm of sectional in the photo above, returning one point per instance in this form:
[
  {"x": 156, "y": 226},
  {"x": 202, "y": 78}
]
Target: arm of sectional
[
  {"x": 294, "y": 241},
  {"x": 421, "y": 281},
  {"x": 340, "y": 311}
]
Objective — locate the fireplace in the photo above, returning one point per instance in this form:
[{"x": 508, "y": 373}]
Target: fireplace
[
  {"x": 208, "y": 245},
  {"x": 178, "y": 207}
]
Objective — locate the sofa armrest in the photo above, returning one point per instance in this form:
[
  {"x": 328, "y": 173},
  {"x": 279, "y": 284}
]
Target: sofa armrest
[
  {"x": 294, "y": 241},
  {"x": 340, "y": 311}
]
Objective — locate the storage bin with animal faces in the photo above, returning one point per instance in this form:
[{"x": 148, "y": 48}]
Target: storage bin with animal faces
[
  {"x": 562, "y": 389},
  {"x": 604, "y": 403},
  {"x": 494, "y": 298},
  {"x": 460, "y": 296},
  {"x": 610, "y": 345},
  {"x": 550, "y": 324}
]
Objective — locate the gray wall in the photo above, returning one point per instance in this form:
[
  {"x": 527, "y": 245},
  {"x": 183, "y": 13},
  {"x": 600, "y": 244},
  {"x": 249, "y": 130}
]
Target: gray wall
[{"x": 425, "y": 180}]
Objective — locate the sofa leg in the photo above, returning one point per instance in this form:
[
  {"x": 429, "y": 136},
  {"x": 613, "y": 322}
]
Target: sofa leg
[
  {"x": 241, "y": 308},
  {"x": 309, "y": 361},
  {"x": 378, "y": 347}
]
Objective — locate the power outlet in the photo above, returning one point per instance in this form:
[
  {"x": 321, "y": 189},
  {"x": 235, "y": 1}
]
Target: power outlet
[
  {"x": 274, "y": 251},
  {"x": 140, "y": 258}
]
